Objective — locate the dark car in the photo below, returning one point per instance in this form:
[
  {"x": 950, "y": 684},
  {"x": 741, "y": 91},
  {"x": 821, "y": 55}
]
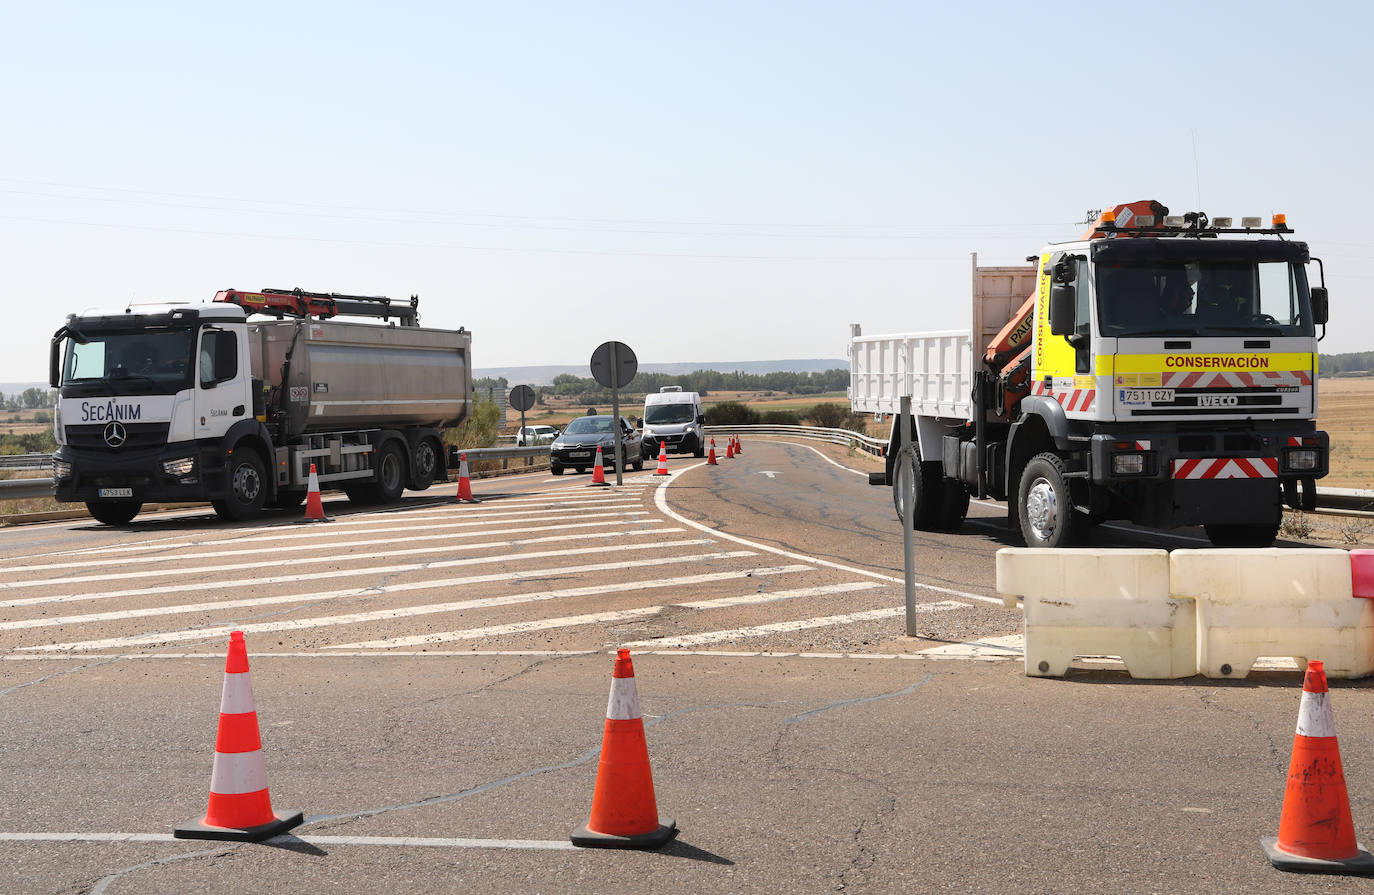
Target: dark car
[{"x": 576, "y": 446}]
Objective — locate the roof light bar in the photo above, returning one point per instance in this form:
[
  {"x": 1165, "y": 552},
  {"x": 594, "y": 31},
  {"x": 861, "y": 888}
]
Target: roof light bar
[
  {"x": 1223, "y": 223},
  {"x": 1251, "y": 223},
  {"x": 1173, "y": 220}
]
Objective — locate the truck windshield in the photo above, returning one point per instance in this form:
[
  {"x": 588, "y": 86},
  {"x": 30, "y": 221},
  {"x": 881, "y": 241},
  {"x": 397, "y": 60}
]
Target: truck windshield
[
  {"x": 667, "y": 414},
  {"x": 142, "y": 361},
  {"x": 1210, "y": 297}
]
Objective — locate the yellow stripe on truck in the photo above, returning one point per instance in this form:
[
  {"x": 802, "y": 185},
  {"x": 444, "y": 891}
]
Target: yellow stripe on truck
[{"x": 1110, "y": 365}]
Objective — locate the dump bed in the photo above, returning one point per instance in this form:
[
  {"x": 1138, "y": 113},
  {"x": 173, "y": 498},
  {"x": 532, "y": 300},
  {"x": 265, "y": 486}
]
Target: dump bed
[
  {"x": 357, "y": 375},
  {"x": 936, "y": 368}
]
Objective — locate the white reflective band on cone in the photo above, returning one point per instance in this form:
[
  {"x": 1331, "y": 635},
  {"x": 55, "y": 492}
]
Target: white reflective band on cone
[
  {"x": 624, "y": 702},
  {"x": 463, "y": 469},
  {"x": 314, "y": 483},
  {"x": 238, "y": 695},
  {"x": 1314, "y": 716},
  {"x": 238, "y": 772}
]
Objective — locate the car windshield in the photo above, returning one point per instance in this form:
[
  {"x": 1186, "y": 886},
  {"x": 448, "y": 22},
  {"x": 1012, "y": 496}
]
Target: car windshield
[
  {"x": 1205, "y": 297},
  {"x": 589, "y": 425},
  {"x": 665, "y": 414},
  {"x": 144, "y": 360}
]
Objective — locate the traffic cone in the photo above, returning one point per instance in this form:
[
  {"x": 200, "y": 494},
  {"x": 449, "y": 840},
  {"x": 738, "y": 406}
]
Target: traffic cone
[
  {"x": 662, "y": 459},
  {"x": 240, "y": 807},
  {"x": 624, "y": 813},
  {"x": 711, "y": 457},
  {"x": 730, "y": 449},
  {"x": 314, "y": 508},
  {"x": 598, "y": 471},
  {"x": 1316, "y": 833},
  {"x": 739, "y": 446},
  {"x": 464, "y": 484}
]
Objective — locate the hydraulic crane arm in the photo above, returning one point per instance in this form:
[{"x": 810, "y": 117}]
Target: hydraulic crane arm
[{"x": 299, "y": 303}]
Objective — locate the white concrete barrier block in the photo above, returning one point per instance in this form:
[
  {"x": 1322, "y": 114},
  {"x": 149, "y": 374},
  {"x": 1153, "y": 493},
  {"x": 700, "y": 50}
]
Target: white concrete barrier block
[
  {"x": 1091, "y": 602},
  {"x": 1275, "y": 602}
]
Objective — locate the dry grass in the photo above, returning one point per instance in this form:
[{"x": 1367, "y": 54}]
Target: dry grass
[{"x": 1347, "y": 415}]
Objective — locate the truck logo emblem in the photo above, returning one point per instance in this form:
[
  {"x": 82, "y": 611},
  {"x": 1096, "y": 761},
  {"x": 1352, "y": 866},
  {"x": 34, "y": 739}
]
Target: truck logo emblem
[{"x": 116, "y": 434}]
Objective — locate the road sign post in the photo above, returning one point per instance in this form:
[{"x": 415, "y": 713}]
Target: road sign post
[
  {"x": 910, "y": 463},
  {"x": 521, "y": 398},
  {"x": 613, "y": 365}
]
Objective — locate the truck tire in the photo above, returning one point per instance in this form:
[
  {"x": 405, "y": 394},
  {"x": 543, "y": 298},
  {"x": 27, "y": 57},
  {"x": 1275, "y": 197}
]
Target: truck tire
[
  {"x": 391, "y": 475},
  {"x": 929, "y": 494},
  {"x": 247, "y": 487},
  {"x": 288, "y": 500},
  {"x": 424, "y": 464},
  {"x": 1242, "y": 535},
  {"x": 954, "y": 507},
  {"x": 1048, "y": 518},
  {"x": 114, "y": 512}
]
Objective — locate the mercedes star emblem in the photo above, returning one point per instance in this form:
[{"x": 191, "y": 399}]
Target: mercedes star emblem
[{"x": 116, "y": 434}]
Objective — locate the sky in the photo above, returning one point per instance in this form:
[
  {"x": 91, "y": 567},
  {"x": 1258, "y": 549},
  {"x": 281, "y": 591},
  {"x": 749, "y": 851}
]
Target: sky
[{"x": 710, "y": 181}]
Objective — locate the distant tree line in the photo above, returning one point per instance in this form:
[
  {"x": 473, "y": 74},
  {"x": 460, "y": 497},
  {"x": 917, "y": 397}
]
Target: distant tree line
[
  {"x": 1335, "y": 364},
  {"x": 29, "y": 399},
  {"x": 706, "y": 381}
]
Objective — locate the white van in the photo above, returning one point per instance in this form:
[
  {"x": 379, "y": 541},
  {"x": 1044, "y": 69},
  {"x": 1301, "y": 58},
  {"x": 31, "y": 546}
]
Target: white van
[{"x": 674, "y": 417}]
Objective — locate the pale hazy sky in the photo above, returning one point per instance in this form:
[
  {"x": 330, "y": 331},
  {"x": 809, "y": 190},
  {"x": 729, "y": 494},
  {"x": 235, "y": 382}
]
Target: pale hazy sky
[{"x": 704, "y": 181}]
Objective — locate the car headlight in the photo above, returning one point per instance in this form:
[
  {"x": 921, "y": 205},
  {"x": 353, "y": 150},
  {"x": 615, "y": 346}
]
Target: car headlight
[
  {"x": 61, "y": 469},
  {"x": 179, "y": 466},
  {"x": 1301, "y": 460}
]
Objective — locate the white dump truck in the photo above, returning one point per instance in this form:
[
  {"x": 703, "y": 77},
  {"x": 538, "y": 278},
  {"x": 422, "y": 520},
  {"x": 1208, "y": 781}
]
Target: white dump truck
[
  {"x": 1163, "y": 370},
  {"x": 194, "y": 402}
]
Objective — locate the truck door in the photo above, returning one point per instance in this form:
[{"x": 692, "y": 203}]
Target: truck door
[{"x": 221, "y": 382}]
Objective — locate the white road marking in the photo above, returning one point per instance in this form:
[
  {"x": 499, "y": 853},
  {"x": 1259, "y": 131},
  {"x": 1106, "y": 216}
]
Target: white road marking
[
  {"x": 798, "y": 625},
  {"x": 661, "y": 501},
  {"x": 770, "y": 473},
  {"x": 1012, "y": 646},
  {"x": 335, "y": 573},
  {"x": 181, "y": 609},
  {"x": 326, "y": 544},
  {"x": 335, "y": 556},
  {"x": 376, "y": 841},
  {"x": 571, "y": 621},
  {"x": 210, "y": 633}
]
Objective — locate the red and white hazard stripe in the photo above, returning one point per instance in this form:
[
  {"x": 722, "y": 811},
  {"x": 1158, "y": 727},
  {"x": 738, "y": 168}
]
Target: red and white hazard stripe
[
  {"x": 1078, "y": 399},
  {"x": 1300, "y": 441},
  {"x": 1236, "y": 380},
  {"x": 1227, "y": 468}
]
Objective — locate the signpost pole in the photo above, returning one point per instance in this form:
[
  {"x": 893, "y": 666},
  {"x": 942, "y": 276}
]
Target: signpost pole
[
  {"x": 615, "y": 416},
  {"x": 908, "y": 462}
]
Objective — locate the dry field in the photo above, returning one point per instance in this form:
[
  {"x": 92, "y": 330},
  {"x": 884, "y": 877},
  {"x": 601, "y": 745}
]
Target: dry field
[{"x": 1346, "y": 413}]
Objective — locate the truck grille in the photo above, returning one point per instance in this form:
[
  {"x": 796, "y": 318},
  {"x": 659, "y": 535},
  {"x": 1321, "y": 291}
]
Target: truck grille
[{"x": 137, "y": 435}]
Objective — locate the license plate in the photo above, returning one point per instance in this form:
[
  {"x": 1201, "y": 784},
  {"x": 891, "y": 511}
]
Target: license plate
[
  {"x": 579, "y": 453},
  {"x": 116, "y": 492},
  {"x": 1146, "y": 395}
]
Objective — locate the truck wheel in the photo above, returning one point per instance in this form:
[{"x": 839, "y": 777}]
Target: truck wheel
[
  {"x": 1242, "y": 535},
  {"x": 288, "y": 500},
  {"x": 954, "y": 507},
  {"x": 424, "y": 463},
  {"x": 114, "y": 512},
  {"x": 1048, "y": 518},
  {"x": 928, "y": 494},
  {"x": 390, "y": 474},
  {"x": 247, "y": 487}
]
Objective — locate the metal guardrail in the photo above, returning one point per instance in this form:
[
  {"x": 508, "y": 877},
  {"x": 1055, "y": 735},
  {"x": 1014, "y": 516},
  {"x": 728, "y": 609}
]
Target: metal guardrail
[
  {"x": 867, "y": 443},
  {"x": 25, "y": 461},
  {"x": 23, "y": 489}
]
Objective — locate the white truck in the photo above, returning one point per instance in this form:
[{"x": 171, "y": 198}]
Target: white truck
[
  {"x": 193, "y": 402},
  {"x": 1162, "y": 370}
]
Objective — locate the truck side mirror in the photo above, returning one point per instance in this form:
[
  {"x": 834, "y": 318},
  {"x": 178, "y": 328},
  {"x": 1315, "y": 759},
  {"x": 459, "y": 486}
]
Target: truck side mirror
[
  {"x": 1320, "y": 306},
  {"x": 1063, "y": 301}
]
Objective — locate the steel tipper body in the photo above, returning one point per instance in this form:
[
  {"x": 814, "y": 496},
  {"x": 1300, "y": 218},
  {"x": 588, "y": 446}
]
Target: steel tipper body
[
  {"x": 1164, "y": 373},
  {"x": 197, "y": 402}
]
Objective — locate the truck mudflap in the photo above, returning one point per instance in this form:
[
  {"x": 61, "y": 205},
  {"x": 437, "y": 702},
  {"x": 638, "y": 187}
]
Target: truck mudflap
[{"x": 143, "y": 475}]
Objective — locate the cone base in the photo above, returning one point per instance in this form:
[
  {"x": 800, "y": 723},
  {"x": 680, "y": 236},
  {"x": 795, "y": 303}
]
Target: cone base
[
  {"x": 198, "y": 829},
  {"x": 584, "y": 837},
  {"x": 309, "y": 521},
  {"x": 1362, "y": 863}
]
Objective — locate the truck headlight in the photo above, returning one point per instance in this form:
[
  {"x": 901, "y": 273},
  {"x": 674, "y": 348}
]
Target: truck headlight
[
  {"x": 179, "y": 466},
  {"x": 1128, "y": 464},
  {"x": 1301, "y": 460},
  {"x": 61, "y": 469}
]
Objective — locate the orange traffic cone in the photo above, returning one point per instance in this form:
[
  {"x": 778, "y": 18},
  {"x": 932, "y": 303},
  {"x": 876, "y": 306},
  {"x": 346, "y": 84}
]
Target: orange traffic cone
[
  {"x": 730, "y": 449},
  {"x": 464, "y": 484},
  {"x": 624, "y": 813},
  {"x": 739, "y": 446},
  {"x": 711, "y": 457},
  {"x": 240, "y": 807},
  {"x": 1316, "y": 833},
  {"x": 599, "y": 471},
  {"x": 662, "y": 459},
  {"x": 314, "y": 508}
]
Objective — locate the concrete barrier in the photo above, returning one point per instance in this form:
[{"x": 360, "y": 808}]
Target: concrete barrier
[
  {"x": 1091, "y": 602},
  {"x": 1273, "y": 602}
]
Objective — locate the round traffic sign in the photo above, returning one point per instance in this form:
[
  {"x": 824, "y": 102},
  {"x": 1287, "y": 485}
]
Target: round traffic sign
[
  {"x": 521, "y": 398},
  {"x": 614, "y": 364}
]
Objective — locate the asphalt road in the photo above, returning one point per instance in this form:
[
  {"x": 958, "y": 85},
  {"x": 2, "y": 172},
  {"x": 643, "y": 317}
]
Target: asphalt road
[{"x": 431, "y": 681}]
